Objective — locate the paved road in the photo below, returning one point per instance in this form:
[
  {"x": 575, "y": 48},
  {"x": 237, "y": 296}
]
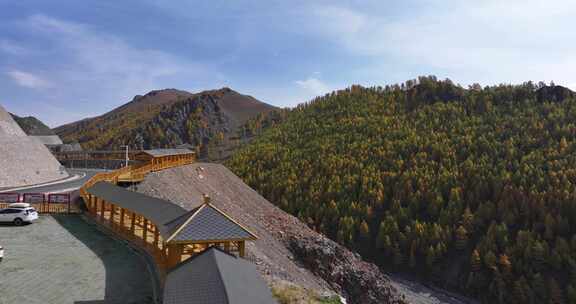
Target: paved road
[
  {"x": 67, "y": 185},
  {"x": 64, "y": 260}
]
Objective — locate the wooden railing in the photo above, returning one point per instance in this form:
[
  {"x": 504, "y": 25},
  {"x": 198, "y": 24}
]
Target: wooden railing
[
  {"x": 134, "y": 173},
  {"x": 52, "y": 208},
  {"x": 60, "y": 203}
]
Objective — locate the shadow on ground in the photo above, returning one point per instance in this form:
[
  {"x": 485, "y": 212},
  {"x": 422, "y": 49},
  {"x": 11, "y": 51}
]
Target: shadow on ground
[{"x": 127, "y": 278}]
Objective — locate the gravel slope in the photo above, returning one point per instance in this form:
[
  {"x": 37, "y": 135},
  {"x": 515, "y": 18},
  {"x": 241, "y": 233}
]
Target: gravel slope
[
  {"x": 24, "y": 160},
  {"x": 185, "y": 186}
]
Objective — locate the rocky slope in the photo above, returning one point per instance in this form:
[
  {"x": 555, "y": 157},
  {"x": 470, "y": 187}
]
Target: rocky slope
[
  {"x": 287, "y": 250},
  {"x": 167, "y": 118}
]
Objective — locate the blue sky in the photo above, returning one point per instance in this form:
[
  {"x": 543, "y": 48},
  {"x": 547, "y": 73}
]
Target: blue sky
[{"x": 66, "y": 60}]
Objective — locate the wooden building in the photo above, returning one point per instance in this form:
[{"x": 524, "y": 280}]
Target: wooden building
[
  {"x": 170, "y": 233},
  {"x": 216, "y": 277},
  {"x": 160, "y": 158}
]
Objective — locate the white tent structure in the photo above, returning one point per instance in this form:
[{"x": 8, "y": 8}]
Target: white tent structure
[{"x": 24, "y": 160}]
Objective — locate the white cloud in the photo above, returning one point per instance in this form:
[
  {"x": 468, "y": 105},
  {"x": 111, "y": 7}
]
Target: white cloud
[
  {"x": 107, "y": 59},
  {"x": 313, "y": 85},
  {"x": 98, "y": 71},
  {"x": 489, "y": 41},
  {"x": 334, "y": 20},
  {"x": 28, "y": 80}
]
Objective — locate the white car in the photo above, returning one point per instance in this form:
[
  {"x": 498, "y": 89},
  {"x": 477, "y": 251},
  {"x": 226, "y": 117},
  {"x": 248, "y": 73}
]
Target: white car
[{"x": 18, "y": 215}]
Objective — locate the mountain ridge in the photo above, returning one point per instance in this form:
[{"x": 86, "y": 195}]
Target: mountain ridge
[{"x": 167, "y": 118}]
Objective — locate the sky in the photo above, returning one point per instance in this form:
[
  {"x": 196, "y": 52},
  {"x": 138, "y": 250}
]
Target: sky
[{"x": 62, "y": 61}]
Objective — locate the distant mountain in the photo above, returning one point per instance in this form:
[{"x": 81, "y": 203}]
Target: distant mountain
[
  {"x": 32, "y": 126},
  {"x": 167, "y": 118},
  {"x": 470, "y": 188}
]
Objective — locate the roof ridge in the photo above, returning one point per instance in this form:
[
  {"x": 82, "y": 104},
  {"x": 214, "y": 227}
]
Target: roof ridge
[
  {"x": 189, "y": 260},
  {"x": 175, "y": 233},
  {"x": 222, "y": 281}
]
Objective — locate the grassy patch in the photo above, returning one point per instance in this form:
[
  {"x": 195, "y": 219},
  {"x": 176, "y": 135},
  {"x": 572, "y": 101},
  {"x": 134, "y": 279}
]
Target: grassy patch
[{"x": 292, "y": 294}]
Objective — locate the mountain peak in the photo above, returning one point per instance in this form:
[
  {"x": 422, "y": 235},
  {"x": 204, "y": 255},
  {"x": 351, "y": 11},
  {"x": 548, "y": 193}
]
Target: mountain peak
[{"x": 167, "y": 117}]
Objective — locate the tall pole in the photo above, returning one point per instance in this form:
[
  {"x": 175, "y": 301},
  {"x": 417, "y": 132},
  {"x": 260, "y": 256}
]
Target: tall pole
[{"x": 126, "y": 146}]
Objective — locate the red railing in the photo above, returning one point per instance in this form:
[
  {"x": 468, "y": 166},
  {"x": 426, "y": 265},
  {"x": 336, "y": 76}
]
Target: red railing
[{"x": 52, "y": 203}]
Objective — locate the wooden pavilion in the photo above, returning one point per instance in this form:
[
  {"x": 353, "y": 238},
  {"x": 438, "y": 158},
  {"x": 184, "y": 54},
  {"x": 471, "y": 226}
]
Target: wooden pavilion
[
  {"x": 216, "y": 277},
  {"x": 170, "y": 233},
  {"x": 160, "y": 158}
]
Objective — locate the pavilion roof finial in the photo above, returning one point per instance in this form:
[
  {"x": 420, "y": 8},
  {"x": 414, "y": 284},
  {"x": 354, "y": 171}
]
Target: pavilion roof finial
[{"x": 206, "y": 198}]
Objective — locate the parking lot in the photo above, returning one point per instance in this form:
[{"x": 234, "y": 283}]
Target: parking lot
[{"x": 62, "y": 259}]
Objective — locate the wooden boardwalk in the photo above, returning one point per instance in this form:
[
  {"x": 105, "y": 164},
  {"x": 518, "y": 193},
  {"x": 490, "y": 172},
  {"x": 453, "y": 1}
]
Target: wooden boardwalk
[{"x": 128, "y": 225}]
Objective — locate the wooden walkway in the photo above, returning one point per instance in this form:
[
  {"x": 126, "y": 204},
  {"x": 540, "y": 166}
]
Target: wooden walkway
[{"x": 128, "y": 225}]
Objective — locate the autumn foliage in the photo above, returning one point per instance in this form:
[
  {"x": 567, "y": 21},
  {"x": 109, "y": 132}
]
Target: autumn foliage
[{"x": 475, "y": 187}]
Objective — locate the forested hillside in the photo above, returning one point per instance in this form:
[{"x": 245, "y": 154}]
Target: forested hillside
[
  {"x": 210, "y": 120},
  {"x": 473, "y": 188}
]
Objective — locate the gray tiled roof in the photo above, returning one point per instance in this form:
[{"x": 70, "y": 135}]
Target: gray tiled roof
[
  {"x": 207, "y": 223},
  {"x": 167, "y": 152},
  {"x": 215, "y": 277},
  {"x": 160, "y": 212}
]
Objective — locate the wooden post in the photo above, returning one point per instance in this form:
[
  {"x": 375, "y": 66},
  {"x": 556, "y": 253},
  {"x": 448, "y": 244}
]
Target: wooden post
[
  {"x": 95, "y": 206},
  {"x": 165, "y": 252},
  {"x": 112, "y": 211},
  {"x": 174, "y": 255},
  {"x": 132, "y": 222},
  {"x": 122, "y": 215},
  {"x": 156, "y": 237},
  {"x": 91, "y": 206},
  {"x": 227, "y": 247},
  {"x": 145, "y": 232},
  {"x": 102, "y": 209},
  {"x": 241, "y": 248}
]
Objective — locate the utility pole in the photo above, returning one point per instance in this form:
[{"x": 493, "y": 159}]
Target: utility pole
[{"x": 126, "y": 146}]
